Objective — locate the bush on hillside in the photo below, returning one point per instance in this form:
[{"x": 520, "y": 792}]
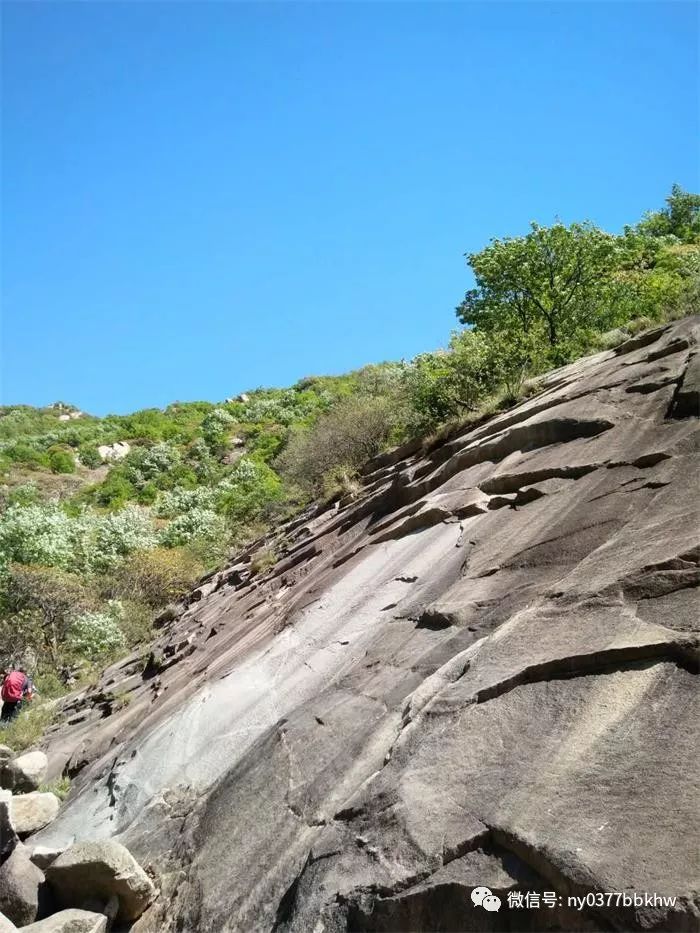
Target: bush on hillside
[
  {"x": 347, "y": 436},
  {"x": 89, "y": 456},
  {"x": 40, "y": 603},
  {"x": 96, "y": 635},
  {"x": 157, "y": 577},
  {"x": 249, "y": 489}
]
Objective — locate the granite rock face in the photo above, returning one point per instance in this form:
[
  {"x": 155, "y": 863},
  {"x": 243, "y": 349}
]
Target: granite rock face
[{"x": 480, "y": 671}]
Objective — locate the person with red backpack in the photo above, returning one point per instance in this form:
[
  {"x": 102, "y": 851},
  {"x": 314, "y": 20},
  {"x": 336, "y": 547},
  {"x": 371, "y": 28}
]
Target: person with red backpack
[{"x": 15, "y": 687}]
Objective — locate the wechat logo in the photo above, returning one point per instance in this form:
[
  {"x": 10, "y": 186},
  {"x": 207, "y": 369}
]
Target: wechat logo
[{"x": 482, "y": 897}]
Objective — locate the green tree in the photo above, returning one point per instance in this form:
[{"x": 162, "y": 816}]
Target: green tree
[
  {"x": 680, "y": 218},
  {"x": 52, "y": 597},
  {"x": 555, "y": 281}
]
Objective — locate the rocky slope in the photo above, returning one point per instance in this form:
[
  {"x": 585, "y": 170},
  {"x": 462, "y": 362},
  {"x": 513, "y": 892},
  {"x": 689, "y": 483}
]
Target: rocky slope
[{"x": 480, "y": 671}]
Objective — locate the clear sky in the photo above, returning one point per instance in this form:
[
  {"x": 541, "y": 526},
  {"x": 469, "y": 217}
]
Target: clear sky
[{"x": 200, "y": 198}]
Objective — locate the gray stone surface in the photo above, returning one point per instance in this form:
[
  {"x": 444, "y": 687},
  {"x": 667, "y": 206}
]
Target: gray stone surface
[
  {"x": 100, "y": 870},
  {"x": 6, "y": 925},
  {"x": 26, "y": 772},
  {"x": 8, "y": 836},
  {"x": 31, "y": 812},
  {"x": 481, "y": 670},
  {"x": 70, "y": 921},
  {"x": 21, "y": 887},
  {"x": 42, "y": 856}
]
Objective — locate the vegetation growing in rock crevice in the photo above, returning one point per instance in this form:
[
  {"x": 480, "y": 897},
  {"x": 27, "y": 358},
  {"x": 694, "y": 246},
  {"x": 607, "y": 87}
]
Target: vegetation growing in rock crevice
[{"x": 91, "y": 548}]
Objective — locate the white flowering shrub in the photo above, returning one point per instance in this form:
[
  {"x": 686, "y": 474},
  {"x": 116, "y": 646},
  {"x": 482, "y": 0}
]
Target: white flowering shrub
[
  {"x": 250, "y": 487},
  {"x": 118, "y": 534},
  {"x": 173, "y": 503},
  {"x": 95, "y": 635},
  {"x": 196, "y": 525},
  {"x": 37, "y": 534},
  {"x": 146, "y": 463},
  {"x": 283, "y": 408},
  {"x": 215, "y": 425},
  {"x": 45, "y": 534}
]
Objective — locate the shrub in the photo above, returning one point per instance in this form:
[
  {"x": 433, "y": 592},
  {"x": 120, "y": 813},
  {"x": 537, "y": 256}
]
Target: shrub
[
  {"x": 61, "y": 461},
  {"x": 215, "y": 427},
  {"x": 263, "y": 560},
  {"x": 347, "y": 435},
  {"x": 118, "y": 534},
  {"x": 41, "y": 603},
  {"x": 248, "y": 490},
  {"x": 149, "y": 463},
  {"x": 25, "y": 731},
  {"x": 89, "y": 456},
  {"x": 96, "y": 635},
  {"x": 115, "y": 491},
  {"x": 159, "y": 576},
  {"x": 197, "y": 524},
  {"x": 178, "y": 501},
  {"x": 37, "y": 534},
  {"x": 26, "y": 455}
]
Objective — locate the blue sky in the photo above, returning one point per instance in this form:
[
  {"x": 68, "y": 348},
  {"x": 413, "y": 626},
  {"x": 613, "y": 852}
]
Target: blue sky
[{"x": 200, "y": 198}]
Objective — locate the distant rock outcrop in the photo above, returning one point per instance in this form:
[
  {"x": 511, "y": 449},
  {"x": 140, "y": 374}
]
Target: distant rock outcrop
[
  {"x": 479, "y": 672},
  {"x": 116, "y": 451}
]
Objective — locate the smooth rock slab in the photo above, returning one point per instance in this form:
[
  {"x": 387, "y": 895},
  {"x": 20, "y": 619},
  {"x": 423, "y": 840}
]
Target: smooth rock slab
[
  {"x": 6, "y": 926},
  {"x": 20, "y": 887},
  {"x": 31, "y": 812},
  {"x": 69, "y": 921},
  {"x": 101, "y": 869},
  {"x": 26, "y": 772}
]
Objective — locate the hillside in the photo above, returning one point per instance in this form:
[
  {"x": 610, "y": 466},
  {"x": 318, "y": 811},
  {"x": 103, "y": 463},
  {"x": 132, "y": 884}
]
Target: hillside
[
  {"x": 105, "y": 521},
  {"x": 334, "y": 656},
  {"x": 479, "y": 670}
]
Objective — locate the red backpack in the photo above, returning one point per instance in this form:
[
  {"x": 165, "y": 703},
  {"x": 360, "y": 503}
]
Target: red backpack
[{"x": 13, "y": 686}]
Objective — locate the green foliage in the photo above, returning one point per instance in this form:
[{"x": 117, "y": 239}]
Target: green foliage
[
  {"x": 556, "y": 282},
  {"x": 158, "y": 576},
  {"x": 115, "y": 491},
  {"x": 195, "y": 525},
  {"x": 263, "y": 560},
  {"x": 39, "y": 605},
  {"x": 25, "y": 731},
  {"x": 248, "y": 490},
  {"x": 89, "y": 456},
  {"x": 347, "y": 436},
  {"x": 97, "y": 635},
  {"x": 61, "y": 461},
  {"x": 59, "y": 786},
  {"x": 680, "y": 218}
]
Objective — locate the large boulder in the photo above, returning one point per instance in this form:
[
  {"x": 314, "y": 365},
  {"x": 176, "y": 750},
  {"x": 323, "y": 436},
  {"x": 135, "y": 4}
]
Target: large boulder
[
  {"x": 21, "y": 887},
  {"x": 31, "y": 812},
  {"x": 69, "y": 921},
  {"x": 8, "y": 836},
  {"x": 101, "y": 869},
  {"x": 25, "y": 773},
  {"x": 116, "y": 451}
]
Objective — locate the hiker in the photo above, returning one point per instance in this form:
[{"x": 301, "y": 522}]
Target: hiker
[{"x": 15, "y": 687}]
